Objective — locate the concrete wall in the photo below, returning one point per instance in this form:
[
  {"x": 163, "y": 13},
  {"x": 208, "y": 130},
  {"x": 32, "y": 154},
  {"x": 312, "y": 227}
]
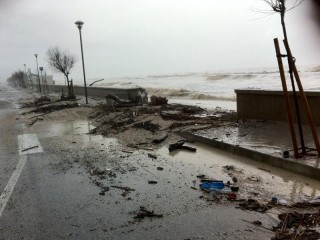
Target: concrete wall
[
  {"x": 270, "y": 105},
  {"x": 126, "y": 94}
]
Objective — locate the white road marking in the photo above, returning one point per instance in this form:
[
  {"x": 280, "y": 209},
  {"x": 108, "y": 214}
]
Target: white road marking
[
  {"x": 26, "y": 141},
  {"x": 4, "y": 198},
  {"x": 5, "y": 100}
]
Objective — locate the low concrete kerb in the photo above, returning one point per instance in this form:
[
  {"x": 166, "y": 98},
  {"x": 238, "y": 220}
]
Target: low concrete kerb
[{"x": 284, "y": 163}]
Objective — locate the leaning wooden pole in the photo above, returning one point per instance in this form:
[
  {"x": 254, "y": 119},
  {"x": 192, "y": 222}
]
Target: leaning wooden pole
[
  {"x": 286, "y": 97},
  {"x": 304, "y": 98}
]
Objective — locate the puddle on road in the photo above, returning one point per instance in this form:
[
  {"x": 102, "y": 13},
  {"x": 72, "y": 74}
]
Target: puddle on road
[{"x": 53, "y": 129}]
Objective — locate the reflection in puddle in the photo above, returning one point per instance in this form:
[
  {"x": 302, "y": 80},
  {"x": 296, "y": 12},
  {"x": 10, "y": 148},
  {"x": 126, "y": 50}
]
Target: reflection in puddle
[{"x": 64, "y": 128}]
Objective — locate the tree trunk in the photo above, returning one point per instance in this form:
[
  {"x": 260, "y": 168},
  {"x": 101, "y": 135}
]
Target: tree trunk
[
  {"x": 69, "y": 90},
  {"x": 289, "y": 57}
]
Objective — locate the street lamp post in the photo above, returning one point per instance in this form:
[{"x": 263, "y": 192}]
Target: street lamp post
[
  {"x": 36, "y": 55},
  {"x": 79, "y": 25},
  {"x": 25, "y": 76},
  {"x": 41, "y": 69}
]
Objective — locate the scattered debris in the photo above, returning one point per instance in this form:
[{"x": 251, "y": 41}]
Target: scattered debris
[
  {"x": 232, "y": 196},
  {"x": 43, "y": 100},
  {"x": 201, "y": 176},
  {"x": 160, "y": 139},
  {"x": 152, "y": 182},
  {"x": 257, "y": 223},
  {"x": 97, "y": 171},
  {"x": 229, "y": 167},
  {"x": 211, "y": 186},
  {"x": 147, "y": 125},
  {"x": 312, "y": 203},
  {"x": 143, "y": 212},
  {"x": 127, "y": 151},
  {"x": 254, "y": 178},
  {"x": 254, "y": 205},
  {"x": 29, "y": 148},
  {"x": 283, "y": 202},
  {"x": 118, "y": 100},
  {"x": 234, "y": 179},
  {"x": 103, "y": 190},
  {"x": 150, "y": 155},
  {"x": 55, "y": 107},
  {"x": 179, "y": 145},
  {"x": 160, "y": 168},
  {"x": 123, "y": 188},
  {"x": 263, "y": 169},
  {"x": 234, "y": 188},
  {"x": 127, "y": 190},
  {"x": 298, "y": 226}
]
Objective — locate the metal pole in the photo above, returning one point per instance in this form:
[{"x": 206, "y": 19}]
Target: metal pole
[
  {"x": 41, "y": 69},
  {"x": 25, "y": 75},
  {"x": 84, "y": 73},
  {"x": 36, "y": 55},
  {"x": 304, "y": 98}
]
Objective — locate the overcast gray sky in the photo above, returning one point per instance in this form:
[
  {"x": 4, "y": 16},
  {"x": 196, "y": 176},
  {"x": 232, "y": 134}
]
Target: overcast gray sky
[{"x": 141, "y": 37}]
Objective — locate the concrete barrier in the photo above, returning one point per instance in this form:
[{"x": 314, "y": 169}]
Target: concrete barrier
[
  {"x": 123, "y": 93},
  {"x": 270, "y": 105}
]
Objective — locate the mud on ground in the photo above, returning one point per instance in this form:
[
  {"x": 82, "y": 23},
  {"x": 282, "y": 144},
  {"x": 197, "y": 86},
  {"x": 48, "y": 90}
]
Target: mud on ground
[{"x": 138, "y": 126}]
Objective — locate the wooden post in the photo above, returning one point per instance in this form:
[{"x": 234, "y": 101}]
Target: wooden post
[
  {"x": 286, "y": 97},
  {"x": 304, "y": 98}
]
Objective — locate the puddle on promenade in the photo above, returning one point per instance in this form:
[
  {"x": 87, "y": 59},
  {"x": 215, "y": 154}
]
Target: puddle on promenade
[
  {"x": 273, "y": 181},
  {"x": 208, "y": 161},
  {"x": 54, "y": 129}
]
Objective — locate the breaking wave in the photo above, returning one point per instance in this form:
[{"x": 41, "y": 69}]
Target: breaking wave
[
  {"x": 315, "y": 69},
  {"x": 217, "y": 77},
  {"x": 201, "y": 96},
  {"x": 169, "y": 92},
  {"x": 186, "y": 94}
]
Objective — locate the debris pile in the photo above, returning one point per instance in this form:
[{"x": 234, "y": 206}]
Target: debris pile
[
  {"x": 300, "y": 226},
  {"x": 147, "y": 125},
  {"x": 43, "y": 100},
  {"x": 158, "y": 101}
]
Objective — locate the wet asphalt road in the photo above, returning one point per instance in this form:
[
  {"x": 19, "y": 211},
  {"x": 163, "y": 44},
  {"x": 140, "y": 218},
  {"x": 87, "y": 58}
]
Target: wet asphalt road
[{"x": 55, "y": 198}]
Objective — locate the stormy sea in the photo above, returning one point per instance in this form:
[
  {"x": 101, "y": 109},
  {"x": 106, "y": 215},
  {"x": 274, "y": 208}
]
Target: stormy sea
[{"x": 215, "y": 89}]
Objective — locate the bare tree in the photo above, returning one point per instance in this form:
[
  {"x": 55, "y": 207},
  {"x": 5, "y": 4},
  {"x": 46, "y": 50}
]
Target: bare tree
[
  {"x": 280, "y": 6},
  {"x": 61, "y": 61}
]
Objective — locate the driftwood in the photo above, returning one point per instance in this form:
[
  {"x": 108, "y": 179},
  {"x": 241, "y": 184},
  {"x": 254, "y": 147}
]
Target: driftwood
[
  {"x": 143, "y": 212},
  {"x": 160, "y": 139},
  {"x": 179, "y": 145},
  {"x": 117, "y": 99},
  {"x": 123, "y": 188},
  {"x": 29, "y": 148}
]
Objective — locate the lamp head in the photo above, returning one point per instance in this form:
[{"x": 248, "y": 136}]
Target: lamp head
[
  {"x": 36, "y": 55},
  {"x": 79, "y": 24},
  {"x": 41, "y": 69}
]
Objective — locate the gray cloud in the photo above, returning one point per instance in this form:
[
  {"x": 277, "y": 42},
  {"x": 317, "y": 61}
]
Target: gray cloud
[{"x": 143, "y": 37}]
